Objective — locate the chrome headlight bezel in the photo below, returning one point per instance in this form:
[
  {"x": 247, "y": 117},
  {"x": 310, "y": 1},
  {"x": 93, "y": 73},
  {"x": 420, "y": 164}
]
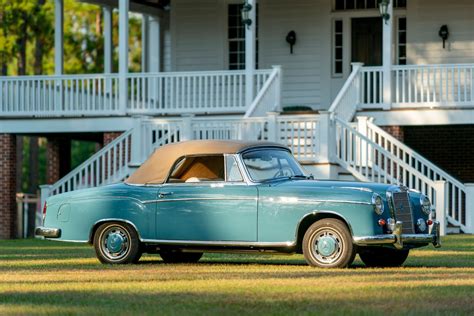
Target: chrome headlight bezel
[
  {"x": 378, "y": 204},
  {"x": 425, "y": 204}
]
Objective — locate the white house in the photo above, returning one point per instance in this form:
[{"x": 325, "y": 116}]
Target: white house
[{"x": 391, "y": 89}]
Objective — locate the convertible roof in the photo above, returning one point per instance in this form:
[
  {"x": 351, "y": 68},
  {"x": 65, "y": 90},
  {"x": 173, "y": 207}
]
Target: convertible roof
[{"x": 156, "y": 169}]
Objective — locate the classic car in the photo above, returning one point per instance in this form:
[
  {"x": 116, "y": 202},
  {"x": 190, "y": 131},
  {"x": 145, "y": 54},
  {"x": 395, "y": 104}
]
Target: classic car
[{"x": 194, "y": 197}]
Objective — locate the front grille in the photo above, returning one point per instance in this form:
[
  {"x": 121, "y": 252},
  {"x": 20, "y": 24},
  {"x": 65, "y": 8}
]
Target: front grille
[{"x": 401, "y": 203}]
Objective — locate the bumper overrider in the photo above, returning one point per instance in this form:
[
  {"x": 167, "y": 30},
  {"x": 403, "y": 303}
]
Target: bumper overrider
[
  {"x": 48, "y": 232},
  {"x": 397, "y": 239}
]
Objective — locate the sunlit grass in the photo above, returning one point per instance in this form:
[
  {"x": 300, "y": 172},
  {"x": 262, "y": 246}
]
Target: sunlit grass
[{"x": 42, "y": 277}]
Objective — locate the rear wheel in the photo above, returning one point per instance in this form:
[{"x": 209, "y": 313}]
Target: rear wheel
[
  {"x": 383, "y": 257},
  {"x": 117, "y": 243},
  {"x": 180, "y": 257},
  {"x": 328, "y": 244}
]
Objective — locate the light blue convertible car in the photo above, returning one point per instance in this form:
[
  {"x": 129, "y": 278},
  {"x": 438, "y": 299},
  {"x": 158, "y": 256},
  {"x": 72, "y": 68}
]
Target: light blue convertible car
[{"x": 229, "y": 196}]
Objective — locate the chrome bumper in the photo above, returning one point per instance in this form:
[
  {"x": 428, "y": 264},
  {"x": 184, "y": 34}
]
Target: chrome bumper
[
  {"x": 397, "y": 239},
  {"x": 48, "y": 232}
]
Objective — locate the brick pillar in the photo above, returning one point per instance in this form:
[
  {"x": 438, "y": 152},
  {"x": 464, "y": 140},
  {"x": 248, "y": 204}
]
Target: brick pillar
[
  {"x": 52, "y": 161},
  {"x": 396, "y": 131},
  {"x": 7, "y": 185},
  {"x": 58, "y": 155},
  {"x": 109, "y": 137}
]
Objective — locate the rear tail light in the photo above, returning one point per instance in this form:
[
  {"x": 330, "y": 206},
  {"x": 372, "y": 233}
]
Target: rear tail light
[
  {"x": 429, "y": 222},
  {"x": 382, "y": 222},
  {"x": 44, "y": 211}
]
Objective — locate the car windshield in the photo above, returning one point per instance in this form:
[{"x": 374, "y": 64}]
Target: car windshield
[{"x": 266, "y": 165}]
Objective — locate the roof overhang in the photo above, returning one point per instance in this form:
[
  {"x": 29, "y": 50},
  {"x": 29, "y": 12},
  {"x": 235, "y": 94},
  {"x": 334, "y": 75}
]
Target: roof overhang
[{"x": 151, "y": 7}]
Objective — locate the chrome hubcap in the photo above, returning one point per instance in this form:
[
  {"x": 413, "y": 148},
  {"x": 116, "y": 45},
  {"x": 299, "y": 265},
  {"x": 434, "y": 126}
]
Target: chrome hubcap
[
  {"x": 328, "y": 246},
  {"x": 115, "y": 243}
]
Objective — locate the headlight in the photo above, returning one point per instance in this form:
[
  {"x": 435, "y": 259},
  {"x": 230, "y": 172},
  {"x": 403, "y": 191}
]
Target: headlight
[
  {"x": 425, "y": 204},
  {"x": 377, "y": 202}
]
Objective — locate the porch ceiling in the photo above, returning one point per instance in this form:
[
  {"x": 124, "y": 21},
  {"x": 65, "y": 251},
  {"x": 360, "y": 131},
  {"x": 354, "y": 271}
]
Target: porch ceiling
[{"x": 140, "y": 6}]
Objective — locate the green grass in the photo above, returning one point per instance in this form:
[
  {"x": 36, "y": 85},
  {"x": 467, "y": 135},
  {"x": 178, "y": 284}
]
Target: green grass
[{"x": 44, "y": 277}]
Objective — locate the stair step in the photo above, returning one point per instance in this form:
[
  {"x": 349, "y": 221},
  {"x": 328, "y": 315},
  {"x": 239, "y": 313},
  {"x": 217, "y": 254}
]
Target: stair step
[{"x": 452, "y": 230}]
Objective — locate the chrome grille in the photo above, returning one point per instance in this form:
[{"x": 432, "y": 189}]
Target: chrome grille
[{"x": 401, "y": 203}]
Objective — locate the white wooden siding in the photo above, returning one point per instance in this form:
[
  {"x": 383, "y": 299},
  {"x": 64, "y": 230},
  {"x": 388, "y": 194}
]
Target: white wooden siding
[{"x": 425, "y": 17}]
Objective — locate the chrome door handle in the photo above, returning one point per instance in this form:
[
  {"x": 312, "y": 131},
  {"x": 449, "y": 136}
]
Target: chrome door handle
[{"x": 164, "y": 194}]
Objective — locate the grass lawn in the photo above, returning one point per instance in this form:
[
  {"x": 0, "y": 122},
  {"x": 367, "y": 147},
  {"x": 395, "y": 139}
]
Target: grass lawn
[{"x": 44, "y": 277}]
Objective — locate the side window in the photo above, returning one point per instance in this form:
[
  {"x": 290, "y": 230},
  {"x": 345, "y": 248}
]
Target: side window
[
  {"x": 232, "y": 169},
  {"x": 198, "y": 169}
]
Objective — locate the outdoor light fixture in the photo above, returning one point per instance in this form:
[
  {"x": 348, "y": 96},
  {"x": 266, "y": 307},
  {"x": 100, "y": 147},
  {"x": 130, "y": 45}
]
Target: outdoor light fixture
[
  {"x": 444, "y": 34},
  {"x": 246, "y": 14},
  {"x": 383, "y": 7},
  {"x": 291, "y": 39}
]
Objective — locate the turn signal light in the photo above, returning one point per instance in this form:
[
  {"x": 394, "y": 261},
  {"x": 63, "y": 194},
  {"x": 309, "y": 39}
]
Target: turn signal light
[
  {"x": 382, "y": 222},
  {"x": 44, "y": 212},
  {"x": 429, "y": 222}
]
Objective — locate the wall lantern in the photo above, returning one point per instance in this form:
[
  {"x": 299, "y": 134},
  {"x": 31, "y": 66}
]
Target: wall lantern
[
  {"x": 291, "y": 39},
  {"x": 383, "y": 7},
  {"x": 444, "y": 34},
  {"x": 245, "y": 12}
]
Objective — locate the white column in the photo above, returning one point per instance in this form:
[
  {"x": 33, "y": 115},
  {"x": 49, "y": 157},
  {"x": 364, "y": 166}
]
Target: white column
[
  {"x": 58, "y": 37},
  {"x": 469, "y": 208},
  {"x": 440, "y": 205},
  {"x": 250, "y": 54},
  {"x": 387, "y": 58},
  {"x": 154, "y": 44},
  {"x": 124, "y": 6},
  {"x": 145, "y": 43},
  {"x": 108, "y": 44}
]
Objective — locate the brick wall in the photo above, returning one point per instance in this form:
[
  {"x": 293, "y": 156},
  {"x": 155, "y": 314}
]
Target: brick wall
[
  {"x": 396, "y": 131},
  {"x": 451, "y": 147},
  {"x": 110, "y": 136},
  {"x": 52, "y": 161},
  {"x": 7, "y": 185}
]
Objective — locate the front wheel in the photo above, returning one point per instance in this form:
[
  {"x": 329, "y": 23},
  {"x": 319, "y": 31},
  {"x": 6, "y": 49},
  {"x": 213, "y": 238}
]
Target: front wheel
[
  {"x": 117, "y": 243},
  {"x": 180, "y": 257},
  {"x": 383, "y": 257},
  {"x": 328, "y": 244}
]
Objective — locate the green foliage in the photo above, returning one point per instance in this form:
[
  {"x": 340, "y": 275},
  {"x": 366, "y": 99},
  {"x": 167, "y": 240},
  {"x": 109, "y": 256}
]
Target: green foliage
[{"x": 81, "y": 151}]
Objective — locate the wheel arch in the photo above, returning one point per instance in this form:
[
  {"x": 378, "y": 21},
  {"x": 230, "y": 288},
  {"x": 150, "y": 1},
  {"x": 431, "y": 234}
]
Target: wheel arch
[
  {"x": 313, "y": 217},
  {"x": 111, "y": 220}
]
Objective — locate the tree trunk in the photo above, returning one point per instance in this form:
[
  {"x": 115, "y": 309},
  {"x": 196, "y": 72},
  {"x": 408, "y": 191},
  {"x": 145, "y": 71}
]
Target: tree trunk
[
  {"x": 21, "y": 43},
  {"x": 33, "y": 164},
  {"x": 39, "y": 47}
]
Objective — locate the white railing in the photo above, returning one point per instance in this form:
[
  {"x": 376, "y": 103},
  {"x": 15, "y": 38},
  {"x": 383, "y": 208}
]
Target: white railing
[
  {"x": 148, "y": 93},
  {"x": 108, "y": 165},
  {"x": 67, "y": 95},
  {"x": 455, "y": 199},
  {"x": 345, "y": 104},
  {"x": 433, "y": 85},
  {"x": 191, "y": 92},
  {"x": 371, "y": 86},
  {"x": 268, "y": 98},
  {"x": 371, "y": 154}
]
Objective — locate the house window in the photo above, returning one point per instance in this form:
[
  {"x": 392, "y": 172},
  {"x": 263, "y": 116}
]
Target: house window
[
  {"x": 338, "y": 48},
  {"x": 402, "y": 41},
  {"x": 236, "y": 36},
  {"x": 340, "y": 5}
]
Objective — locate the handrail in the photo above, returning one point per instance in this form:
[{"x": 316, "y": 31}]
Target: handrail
[
  {"x": 348, "y": 87},
  {"x": 95, "y": 167},
  {"x": 261, "y": 94}
]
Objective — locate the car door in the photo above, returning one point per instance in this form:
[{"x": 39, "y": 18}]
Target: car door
[{"x": 207, "y": 209}]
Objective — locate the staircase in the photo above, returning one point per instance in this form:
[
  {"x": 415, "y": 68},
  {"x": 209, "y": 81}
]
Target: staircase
[{"x": 364, "y": 150}]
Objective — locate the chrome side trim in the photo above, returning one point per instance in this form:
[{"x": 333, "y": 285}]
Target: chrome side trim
[
  {"x": 48, "y": 232},
  {"x": 333, "y": 201},
  {"x": 198, "y": 199},
  {"x": 286, "y": 244}
]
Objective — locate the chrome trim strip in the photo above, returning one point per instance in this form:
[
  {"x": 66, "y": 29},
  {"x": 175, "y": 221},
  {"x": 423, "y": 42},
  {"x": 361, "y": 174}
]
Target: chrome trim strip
[
  {"x": 333, "y": 201},
  {"x": 221, "y": 243},
  {"x": 197, "y": 199},
  {"x": 48, "y": 232}
]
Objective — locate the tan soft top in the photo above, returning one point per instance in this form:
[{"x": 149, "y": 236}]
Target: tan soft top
[{"x": 156, "y": 169}]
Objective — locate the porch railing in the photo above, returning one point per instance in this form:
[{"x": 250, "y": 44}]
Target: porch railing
[
  {"x": 345, "y": 104},
  {"x": 148, "y": 93},
  {"x": 67, "y": 95},
  {"x": 433, "y": 85}
]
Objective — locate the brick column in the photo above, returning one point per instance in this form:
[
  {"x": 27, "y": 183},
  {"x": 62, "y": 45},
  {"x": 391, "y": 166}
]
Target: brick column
[
  {"x": 396, "y": 131},
  {"x": 7, "y": 185},
  {"x": 52, "y": 161},
  {"x": 109, "y": 137}
]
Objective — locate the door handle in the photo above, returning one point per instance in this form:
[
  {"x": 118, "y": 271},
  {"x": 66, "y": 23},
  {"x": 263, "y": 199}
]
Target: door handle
[{"x": 164, "y": 194}]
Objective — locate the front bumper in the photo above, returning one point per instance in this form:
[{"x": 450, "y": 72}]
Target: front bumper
[
  {"x": 48, "y": 232},
  {"x": 397, "y": 239}
]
